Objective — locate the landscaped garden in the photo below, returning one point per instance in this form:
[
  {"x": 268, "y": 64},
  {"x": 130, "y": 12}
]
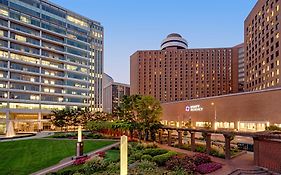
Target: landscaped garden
[
  {"x": 28, "y": 156},
  {"x": 143, "y": 159}
]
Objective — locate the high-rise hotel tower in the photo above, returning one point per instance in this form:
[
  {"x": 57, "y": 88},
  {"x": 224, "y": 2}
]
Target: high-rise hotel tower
[
  {"x": 177, "y": 73},
  {"x": 50, "y": 58}
]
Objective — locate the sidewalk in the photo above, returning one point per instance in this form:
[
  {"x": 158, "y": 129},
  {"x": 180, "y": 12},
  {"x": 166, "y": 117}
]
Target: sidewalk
[
  {"x": 68, "y": 161},
  {"x": 244, "y": 161}
]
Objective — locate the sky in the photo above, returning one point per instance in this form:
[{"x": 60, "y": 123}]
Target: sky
[{"x": 132, "y": 25}]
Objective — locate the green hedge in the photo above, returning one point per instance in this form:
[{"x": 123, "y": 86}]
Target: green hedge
[
  {"x": 162, "y": 159},
  {"x": 154, "y": 151}
]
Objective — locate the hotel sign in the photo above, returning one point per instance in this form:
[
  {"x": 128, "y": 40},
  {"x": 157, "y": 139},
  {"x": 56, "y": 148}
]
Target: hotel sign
[{"x": 194, "y": 108}]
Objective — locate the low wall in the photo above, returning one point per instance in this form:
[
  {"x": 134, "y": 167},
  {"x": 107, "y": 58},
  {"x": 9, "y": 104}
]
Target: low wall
[{"x": 267, "y": 154}]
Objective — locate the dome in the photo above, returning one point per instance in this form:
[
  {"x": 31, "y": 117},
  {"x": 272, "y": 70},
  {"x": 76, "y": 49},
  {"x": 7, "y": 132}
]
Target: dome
[
  {"x": 174, "y": 40},
  {"x": 174, "y": 35}
]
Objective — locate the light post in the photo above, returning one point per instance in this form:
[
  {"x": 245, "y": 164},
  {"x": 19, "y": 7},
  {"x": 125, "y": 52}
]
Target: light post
[
  {"x": 215, "y": 126},
  {"x": 79, "y": 144}
]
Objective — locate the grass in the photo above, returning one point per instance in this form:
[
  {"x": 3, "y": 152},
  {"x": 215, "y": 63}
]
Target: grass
[
  {"x": 28, "y": 156},
  {"x": 112, "y": 155}
]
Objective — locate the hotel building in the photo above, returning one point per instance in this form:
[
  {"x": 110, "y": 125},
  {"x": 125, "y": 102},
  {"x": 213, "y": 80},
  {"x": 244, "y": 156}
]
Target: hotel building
[
  {"x": 50, "y": 58},
  {"x": 113, "y": 93},
  {"x": 262, "y": 50},
  {"x": 177, "y": 73}
]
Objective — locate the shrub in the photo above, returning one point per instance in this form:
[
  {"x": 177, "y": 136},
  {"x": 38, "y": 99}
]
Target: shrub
[
  {"x": 181, "y": 162},
  {"x": 80, "y": 161},
  {"x": 101, "y": 154},
  {"x": 94, "y": 165},
  {"x": 147, "y": 165},
  {"x": 208, "y": 167},
  {"x": 113, "y": 168},
  {"x": 154, "y": 151},
  {"x": 146, "y": 157},
  {"x": 201, "y": 159},
  {"x": 149, "y": 145},
  {"x": 137, "y": 155},
  {"x": 163, "y": 158},
  {"x": 273, "y": 128}
]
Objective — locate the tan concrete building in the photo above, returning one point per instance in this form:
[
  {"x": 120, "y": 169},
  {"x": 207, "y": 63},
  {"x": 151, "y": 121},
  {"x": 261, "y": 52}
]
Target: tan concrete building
[
  {"x": 177, "y": 73},
  {"x": 247, "y": 111},
  {"x": 262, "y": 50}
]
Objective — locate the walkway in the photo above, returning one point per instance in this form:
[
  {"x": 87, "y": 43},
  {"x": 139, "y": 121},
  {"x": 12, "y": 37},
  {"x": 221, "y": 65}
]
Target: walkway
[
  {"x": 244, "y": 161},
  {"x": 69, "y": 161},
  {"x": 38, "y": 135}
]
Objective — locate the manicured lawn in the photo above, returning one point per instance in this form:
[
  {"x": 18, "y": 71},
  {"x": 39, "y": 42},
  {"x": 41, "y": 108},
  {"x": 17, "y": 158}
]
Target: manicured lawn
[
  {"x": 112, "y": 155},
  {"x": 28, "y": 156}
]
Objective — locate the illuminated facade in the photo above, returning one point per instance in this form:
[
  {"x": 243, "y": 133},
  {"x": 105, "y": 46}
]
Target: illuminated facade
[
  {"x": 246, "y": 111},
  {"x": 50, "y": 58},
  {"x": 262, "y": 46},
  {"x": 113, "y": 93},
  {"x": 177, "y": 73}
]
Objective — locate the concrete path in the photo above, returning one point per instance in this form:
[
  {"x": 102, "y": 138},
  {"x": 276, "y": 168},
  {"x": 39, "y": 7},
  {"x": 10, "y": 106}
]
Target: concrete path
[
  {"x": 69, "y": 161},
  {"x": 38, "y": 135},
  {"x": 244, "y": 161}
]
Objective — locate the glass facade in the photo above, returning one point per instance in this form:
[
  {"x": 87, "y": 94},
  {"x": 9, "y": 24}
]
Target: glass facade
[{"x": 49, "y": 57}]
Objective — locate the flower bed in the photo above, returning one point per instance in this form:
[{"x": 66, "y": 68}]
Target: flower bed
[
  {"x": 208, "y": 167},
  {"x": 145, "y": 159}
]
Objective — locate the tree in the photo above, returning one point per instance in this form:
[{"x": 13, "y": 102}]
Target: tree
[
  {"x": 126, "y": 112},
  {"x": 149, "y": 111},
  {"x": 58, "y": 118}
]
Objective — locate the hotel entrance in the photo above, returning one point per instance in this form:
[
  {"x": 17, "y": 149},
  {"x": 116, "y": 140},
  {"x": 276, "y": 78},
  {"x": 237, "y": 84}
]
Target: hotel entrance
[{"x": 252, "y": 126}]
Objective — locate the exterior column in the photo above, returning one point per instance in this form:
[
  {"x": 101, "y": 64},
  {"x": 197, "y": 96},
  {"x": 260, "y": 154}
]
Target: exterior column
[
  {"x": 160, "y": 135},
  {"x": 208, "y": 143},
  {"x": 169, "y": 137},
  {"x": 40, "y": 124},
  {"x": 256, "y": 151},
  {"x": 192, "y": 141},
  {"x": 185, "y": 137},
  {"x": 180, "y": 137},
  {"x": 227, "y": 146},
  {"x": 7, "y": 121}
]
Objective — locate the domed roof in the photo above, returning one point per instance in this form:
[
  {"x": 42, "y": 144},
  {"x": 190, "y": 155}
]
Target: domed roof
[
  {"x": 174, "y": 35},
  {"x": 174, "y": 40}
]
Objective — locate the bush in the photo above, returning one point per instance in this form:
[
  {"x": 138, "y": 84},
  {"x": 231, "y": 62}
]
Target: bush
[
  {"x": 208, "y": 167},
  {"x": 272, "y": 128},
  {"x": 163, "y": 158},
  {"x": 95, "y": 165},
  {"x": 201, "y": 159},
  {"x": 146, "y": 157},
  {"x": 149, "y": 145},
  {"x": 101, "y": 154},
  {"x": 113, "y": 168},
  {"x": 80, "y": 161},
  {"x": 94, "y": 136},
  {"x": 154, "y": 151},
  {"x": 147, "y": 165},
  {"x": 137, "y": 155},
  {"x": 181, "y": 162}
]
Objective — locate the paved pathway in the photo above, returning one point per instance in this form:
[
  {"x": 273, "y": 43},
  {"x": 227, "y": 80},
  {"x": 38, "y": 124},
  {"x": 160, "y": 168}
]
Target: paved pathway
[
  {"x": 244, "y": 161},
  {"x": 69, "y": 161},
  {"x": 38, "y": 135}
]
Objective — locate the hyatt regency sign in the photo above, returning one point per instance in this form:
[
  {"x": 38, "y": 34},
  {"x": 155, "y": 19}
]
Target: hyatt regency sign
[{"x": 194, "y": 108}]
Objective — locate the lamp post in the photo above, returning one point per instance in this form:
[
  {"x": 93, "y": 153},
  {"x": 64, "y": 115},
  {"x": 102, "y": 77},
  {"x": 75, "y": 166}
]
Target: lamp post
[
  {"x": 79, "y": 144},
  {"x": 215, "y": 126}
]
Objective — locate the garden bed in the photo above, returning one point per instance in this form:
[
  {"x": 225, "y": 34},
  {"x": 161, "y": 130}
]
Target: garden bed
[{"x": 145, "y": 159}]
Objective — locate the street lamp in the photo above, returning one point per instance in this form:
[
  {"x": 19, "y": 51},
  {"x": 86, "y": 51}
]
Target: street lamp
[
  {"x": 79, "y": 145},
  {"x": 215, "y": 126}
]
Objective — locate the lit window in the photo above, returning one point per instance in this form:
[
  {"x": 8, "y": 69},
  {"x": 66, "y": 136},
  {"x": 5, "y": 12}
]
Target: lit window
[
  {"x": 77, "y": 21},
  {"x": 277, "y": 8},
  {"x": 25, "y": 19},
  {"x": 4, "y": 12},
  {"x": 277, "y": 35},
  {"x": 20, "y": 38}
]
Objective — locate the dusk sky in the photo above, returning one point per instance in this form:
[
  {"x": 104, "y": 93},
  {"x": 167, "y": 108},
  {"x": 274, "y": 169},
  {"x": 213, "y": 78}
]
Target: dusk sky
[{"x": 132, "y": 25}]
